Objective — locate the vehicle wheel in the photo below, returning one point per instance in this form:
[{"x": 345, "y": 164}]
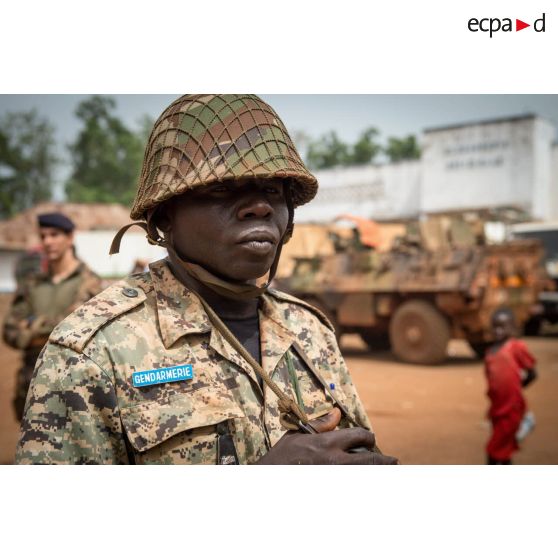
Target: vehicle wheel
[
  {"x": 419, "y": 333},
  {"x": 376, "y": 341},
  {"x": 532, "y": 327},
  {"x": 479, "y": 347},
  {"x": 329, "y": 314}
]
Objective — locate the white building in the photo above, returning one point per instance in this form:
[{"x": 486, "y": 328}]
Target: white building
[
  {"x": 383, "y": 191},
  {"x": 510, "y": 162}
]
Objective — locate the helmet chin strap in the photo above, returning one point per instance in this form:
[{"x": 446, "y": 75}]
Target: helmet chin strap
[{"x": 229, "y": 289}]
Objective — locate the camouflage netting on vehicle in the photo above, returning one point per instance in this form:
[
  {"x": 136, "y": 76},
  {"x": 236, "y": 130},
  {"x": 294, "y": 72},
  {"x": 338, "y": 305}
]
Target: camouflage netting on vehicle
[{"x": 201, "y": 139}]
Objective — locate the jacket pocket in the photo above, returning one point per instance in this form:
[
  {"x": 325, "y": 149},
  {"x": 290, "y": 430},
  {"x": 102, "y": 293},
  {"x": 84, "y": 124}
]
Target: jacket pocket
[
  {"x": 180, "y": 431},
  {"x": 318, "y": 386}
]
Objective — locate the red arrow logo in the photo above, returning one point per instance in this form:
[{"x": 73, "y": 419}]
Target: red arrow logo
[{"x": 519, "y": 25}]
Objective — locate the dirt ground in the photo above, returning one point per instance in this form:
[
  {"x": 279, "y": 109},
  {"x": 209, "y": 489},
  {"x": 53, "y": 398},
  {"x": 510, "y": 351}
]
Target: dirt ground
[
  {"x": 9, "y": 363},
  {"x": 436, "y": 415},
  {"x": 423, "y": 415}
]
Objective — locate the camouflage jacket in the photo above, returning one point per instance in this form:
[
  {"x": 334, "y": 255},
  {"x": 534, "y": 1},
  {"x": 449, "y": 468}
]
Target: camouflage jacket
[
  {"x": 39, "y": 304},
  {"x": 84, "y": 408}
]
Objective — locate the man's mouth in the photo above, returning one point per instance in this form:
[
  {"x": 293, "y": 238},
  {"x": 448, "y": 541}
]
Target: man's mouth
[
  {"x": 259, "y": 235},
  {"x": 258, "y": 241}
]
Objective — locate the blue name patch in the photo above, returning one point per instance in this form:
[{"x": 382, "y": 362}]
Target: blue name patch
[{"x": 163, "y": 375}]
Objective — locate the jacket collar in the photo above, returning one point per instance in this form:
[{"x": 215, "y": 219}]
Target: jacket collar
[{"x": 179, "y": 311}]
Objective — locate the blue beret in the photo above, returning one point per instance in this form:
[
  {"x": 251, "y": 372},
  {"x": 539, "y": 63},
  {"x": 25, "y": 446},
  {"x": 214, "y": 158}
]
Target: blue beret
[{"x": 57, "y": 221}]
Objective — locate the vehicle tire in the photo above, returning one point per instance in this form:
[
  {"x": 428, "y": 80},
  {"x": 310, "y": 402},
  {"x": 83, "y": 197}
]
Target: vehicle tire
[
  {"x": 532, "y": 327},
  {"x": 479, "y": 347},
  {"x": 419, "y": 333},
  {"x": 327, "y": 312},
  {"x": 376, "y": 341}
]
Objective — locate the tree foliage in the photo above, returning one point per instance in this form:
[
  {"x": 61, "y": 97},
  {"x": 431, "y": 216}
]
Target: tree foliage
[
  {"x": 402, "y": 149},
  {"x": 106, "y": 155},
  {"x": 366, "y": 149},
  {"x": 327, "y": 152},
  {"x": 330, "y": 151},
  {"x": 27, "y": 161}
]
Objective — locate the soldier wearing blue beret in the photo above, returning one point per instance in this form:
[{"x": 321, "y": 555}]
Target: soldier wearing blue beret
[{"x": 44, "y": 298}]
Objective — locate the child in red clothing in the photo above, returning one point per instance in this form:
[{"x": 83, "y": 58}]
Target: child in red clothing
[{"x": 509, "y": 367}]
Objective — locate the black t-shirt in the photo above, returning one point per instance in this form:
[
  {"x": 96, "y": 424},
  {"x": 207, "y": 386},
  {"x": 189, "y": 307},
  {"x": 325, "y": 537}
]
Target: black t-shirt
[{"x": 247, "y": 331}]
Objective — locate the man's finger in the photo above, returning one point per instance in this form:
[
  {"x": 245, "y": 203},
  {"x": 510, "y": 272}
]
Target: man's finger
[
  {"x": 380, "y": 459},
  {"x": 355, "y": 437},
  {"x": 372, "y": 458},
  {"x": 328, "y": 422}
]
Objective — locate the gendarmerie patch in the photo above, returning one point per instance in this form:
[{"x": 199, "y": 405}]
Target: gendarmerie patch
[{"x": 163, "y": 375}]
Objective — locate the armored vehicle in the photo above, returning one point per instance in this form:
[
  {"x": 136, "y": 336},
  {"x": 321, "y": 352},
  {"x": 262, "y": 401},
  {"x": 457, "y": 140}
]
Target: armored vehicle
[
  {"x": 435, "y": 283},
  {"x": 547, "y": 233}
]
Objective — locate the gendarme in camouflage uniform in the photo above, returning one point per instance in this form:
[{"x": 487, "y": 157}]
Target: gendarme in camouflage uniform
[{"x": 84, "y": 406}]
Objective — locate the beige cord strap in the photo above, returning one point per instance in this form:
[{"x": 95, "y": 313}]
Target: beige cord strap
[{"x": 291, "y": 413}]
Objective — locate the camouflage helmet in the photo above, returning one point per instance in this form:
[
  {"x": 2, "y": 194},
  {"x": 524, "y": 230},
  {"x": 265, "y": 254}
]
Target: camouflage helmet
[{"x": 202, "y": 139}]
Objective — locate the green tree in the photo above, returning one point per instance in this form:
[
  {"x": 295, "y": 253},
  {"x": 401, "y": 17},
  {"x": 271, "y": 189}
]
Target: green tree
[
  {"x": 402, "y": 149},
  {"x": 365, "y": 149},
  {"x": 327, "y": 152},
  {"x": 27, "y": 161},
  {"x": 106, "y": 155}
]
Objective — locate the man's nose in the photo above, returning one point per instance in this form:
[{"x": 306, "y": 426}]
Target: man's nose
[{"x": 256, "y": 208}]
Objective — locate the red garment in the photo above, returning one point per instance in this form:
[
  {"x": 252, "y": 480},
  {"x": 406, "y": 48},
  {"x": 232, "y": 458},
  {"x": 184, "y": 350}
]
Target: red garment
[{"x": 507, "y": 404}]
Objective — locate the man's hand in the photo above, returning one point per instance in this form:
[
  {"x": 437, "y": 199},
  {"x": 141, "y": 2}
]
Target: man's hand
[
  {"x": 328, "y": 447},
  {"x": 29, "y": 330}
]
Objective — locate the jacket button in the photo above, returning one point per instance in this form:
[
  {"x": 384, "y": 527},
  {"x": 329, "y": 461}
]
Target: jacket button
[{"x": 132, "y": 293}]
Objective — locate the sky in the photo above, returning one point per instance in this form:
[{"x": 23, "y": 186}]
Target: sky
[{"x": 348, "y": 115}]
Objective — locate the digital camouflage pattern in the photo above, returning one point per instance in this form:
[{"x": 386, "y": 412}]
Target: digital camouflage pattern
[
  {"x": 202, "y": 139},
  {"x": 38, "y": 305},
  {"x": 83, "y": 407}
]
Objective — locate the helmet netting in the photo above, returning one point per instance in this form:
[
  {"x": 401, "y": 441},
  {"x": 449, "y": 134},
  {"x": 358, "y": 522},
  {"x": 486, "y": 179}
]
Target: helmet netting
[{"x": 201, "y": 139}]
